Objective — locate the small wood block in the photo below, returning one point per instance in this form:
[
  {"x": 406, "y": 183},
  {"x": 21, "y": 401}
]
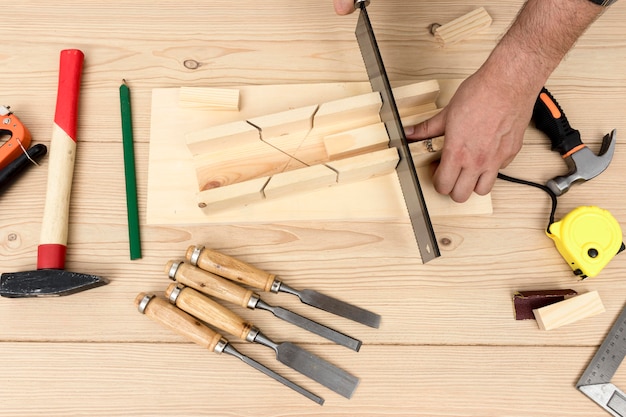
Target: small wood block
[
  {"x": 348, "y": 113},
  {"x": 206, "y": 98},
  {"x": 285, "y": 123},
  {"x": 413, "y": 119},
  {"x": 234, "y": 195},
  {"x": 416, "y": 95},
  {"x": 357, "y": 141},
  {"x": 569, "y": 311},
  {"x": 426, "y": 151},
  {"x": 303, "y": 179},
  {"x": 463, "y": 27},
  {"x": 362, "y": 167},
  {"x": 217, "y": 138},
  {"x": 524, "y": 302}
]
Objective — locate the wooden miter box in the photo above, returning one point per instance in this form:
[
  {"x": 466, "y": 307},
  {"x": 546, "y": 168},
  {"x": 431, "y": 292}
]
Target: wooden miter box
[{"x": 306, "y": 148}]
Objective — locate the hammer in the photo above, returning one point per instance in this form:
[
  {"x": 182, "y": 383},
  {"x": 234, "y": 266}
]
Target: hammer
[
  {"x": 50, "y": 278},
  {"x": 583, "y": 164}
]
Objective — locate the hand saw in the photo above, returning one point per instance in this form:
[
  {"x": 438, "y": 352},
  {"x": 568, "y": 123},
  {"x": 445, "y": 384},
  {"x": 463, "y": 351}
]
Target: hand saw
[
  {"x": 595, "y": 382},
  {"x": 409, "y": 183}
]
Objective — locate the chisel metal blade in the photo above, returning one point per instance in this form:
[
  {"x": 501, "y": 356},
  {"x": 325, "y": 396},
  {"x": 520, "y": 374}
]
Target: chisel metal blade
[
  {"x": 228, "y": 349},
  {"x": 312, "y": 326},
  {"x": 334, "y": 306},
  {"x": 312, "y": 366},
  {"x": 409, "y": 182}
]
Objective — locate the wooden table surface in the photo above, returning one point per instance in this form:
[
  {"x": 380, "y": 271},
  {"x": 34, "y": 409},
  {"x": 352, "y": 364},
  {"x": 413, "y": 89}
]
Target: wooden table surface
[{"x": 448, "y": 344}]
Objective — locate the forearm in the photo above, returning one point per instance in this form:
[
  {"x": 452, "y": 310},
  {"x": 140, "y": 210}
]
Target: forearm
[{"x": 541, "y": 35}]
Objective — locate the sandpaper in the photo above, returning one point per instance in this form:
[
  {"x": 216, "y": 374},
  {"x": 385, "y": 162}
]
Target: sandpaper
[{"x": 524, "y": 302}]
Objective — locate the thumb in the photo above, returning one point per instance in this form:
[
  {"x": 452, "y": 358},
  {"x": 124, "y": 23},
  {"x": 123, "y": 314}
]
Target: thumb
[
  {"x": 431, "y": 128},
  {"x": 343, "y": 7}
]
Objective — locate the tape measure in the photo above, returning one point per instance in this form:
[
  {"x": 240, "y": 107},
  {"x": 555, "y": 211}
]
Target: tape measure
[{"x": 588, "y": 237}]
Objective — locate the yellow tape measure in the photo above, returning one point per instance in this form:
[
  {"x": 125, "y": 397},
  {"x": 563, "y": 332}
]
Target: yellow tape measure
[{"x": 588, "y": 237}]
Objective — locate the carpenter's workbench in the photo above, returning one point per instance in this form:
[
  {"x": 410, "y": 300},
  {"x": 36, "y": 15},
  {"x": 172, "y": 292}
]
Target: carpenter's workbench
[{"x": 448, "y": 344}]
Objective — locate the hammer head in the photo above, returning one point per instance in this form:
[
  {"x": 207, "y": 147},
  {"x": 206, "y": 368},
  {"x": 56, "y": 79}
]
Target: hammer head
[
  {"x": 584, "y": 165},
  {"x": 46, "y": 283}
]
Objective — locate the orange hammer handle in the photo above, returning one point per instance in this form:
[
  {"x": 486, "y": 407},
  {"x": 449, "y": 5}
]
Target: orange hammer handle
[{"x": 54, "y": 230}]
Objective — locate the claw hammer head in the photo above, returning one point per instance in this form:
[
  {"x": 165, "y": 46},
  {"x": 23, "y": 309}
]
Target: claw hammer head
[{"x": 584, "y": 164}]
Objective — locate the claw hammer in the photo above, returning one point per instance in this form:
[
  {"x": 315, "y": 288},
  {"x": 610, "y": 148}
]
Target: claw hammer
[
  {"x": 583, "y": 164},
  {"x": 50, "y": 278}
]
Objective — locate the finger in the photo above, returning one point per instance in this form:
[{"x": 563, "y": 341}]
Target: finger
[
  {"x": 433, "y": 127},
  {"x": 485, "y": 183},
  {"x": 446, "y": 175},
  {"x": 343, "y": 7},
  {"x": 464, "y": 186}
]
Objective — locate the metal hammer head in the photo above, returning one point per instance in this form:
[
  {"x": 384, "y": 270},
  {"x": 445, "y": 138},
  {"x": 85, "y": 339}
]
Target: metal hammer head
[
  {"x": 46, "y": 283},
  {"x": 584, "y": 165}
]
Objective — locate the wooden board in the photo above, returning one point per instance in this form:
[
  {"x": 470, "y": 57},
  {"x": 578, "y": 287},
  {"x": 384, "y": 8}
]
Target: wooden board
[{"x": 172, "y": 184}]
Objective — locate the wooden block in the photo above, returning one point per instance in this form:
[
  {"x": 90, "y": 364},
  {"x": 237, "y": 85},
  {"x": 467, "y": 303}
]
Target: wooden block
[
  {"x": 426, "y": 151},
  {"x": 206, "y": 98},
  {"x": 524, "y": 302},
  {"x": 356, "y": 141},
  {"x": 236, "y": 195},
  {"x": 303, "y": 179},
  {"x": 415, "y": 118},
  {"x": 348, "y": 113},
  {"x": 362, "y": 167},
  {"x": 416, "y": 95},
  {"x": 221, "y": 137},
  {"x": 285, "y": 123},
  {"x": 569, "y": 311},
  {"x": 463, "y": 27}
]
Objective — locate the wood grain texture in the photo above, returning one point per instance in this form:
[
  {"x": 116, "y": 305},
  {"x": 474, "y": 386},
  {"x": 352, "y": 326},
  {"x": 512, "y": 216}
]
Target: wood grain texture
[{"x": 93, "y": 354}]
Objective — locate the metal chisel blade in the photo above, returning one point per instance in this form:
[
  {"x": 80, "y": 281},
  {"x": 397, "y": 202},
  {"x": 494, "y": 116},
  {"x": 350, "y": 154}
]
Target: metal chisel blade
[
  {"x": 317, "y": 369},
  {"x": 340, "y": 308},
  {"x": 409, "y": 182},
  {"x": 258, "y": 366},
  {"x": 312, "y": 326}
]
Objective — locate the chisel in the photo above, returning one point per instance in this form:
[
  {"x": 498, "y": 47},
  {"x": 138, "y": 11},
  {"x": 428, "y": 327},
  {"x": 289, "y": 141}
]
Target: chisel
[
  {"x": 182, "y": 323},
  {"x": 239, "y": 271},
  {"x": 308, "y": 364},
  {"x": 216, "y": 286}
]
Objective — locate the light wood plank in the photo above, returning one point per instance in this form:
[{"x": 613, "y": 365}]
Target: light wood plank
[
  {"x": 299, "y": 180},
  {"x": 569, "y": 311},
  {"x": 463, "y": 27},
  {"x": 209, "y": 98}
]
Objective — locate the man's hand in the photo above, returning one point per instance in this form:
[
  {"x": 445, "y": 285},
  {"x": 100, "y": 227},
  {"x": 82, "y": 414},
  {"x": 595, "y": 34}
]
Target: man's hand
[
  {"x": 343, "y": 7},
  {"x": 484, "y": 122},
  {"x": 484, "y": 128}
]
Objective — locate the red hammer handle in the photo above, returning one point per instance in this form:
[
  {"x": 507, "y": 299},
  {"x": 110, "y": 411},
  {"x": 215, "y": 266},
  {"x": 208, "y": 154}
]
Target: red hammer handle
[{"x": 54, "y": 228}]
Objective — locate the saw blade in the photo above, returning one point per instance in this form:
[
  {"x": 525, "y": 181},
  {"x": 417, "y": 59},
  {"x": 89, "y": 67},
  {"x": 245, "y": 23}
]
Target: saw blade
[{"x": 409, "y": 182}]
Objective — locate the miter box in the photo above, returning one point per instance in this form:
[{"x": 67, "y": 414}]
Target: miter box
[{"x": 305, "y": 148}]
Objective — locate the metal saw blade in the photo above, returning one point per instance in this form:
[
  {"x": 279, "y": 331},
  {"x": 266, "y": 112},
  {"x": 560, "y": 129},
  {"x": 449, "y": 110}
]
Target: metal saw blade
[{"x": 409, "y": 182}]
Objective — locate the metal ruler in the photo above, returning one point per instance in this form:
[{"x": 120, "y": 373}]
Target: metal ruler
[
  {"x": 409, "y": 183},
  {"x": 595, "y": 382}
]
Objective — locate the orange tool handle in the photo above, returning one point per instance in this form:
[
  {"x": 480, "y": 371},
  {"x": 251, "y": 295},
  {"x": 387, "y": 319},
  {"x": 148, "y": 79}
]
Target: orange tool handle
[
  {"x": 18, "y": 142},
  {"x": 209, "y": 283},
  {"x": 178, "y": 321},
  {"x": 550, "y": 119},
  {"x": 209, "y": 311},
  {"x": 231, "y": 268}
]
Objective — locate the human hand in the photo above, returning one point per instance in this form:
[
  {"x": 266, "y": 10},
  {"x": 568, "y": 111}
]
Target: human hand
[
  {"x": 484, "y": 126},
  {"x": 343, "y": 7}
]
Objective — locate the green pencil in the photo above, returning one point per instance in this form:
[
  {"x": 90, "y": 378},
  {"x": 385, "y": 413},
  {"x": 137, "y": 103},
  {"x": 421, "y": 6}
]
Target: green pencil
[{"x": 129, "y": 172}]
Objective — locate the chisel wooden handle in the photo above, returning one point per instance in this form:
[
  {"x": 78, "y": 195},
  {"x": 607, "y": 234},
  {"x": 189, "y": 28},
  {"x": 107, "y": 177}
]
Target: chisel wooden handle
[
  {"x": 210, "y": 284},
  {"x": 230, "y": 268},
  {"x": 54, "y": 228},
  {"x": 209, "y": 311},
  {"x": 177, "y": 320}
]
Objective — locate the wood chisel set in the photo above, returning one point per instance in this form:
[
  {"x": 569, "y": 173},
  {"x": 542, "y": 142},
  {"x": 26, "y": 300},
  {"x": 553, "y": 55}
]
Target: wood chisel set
[{"x": 189, "y": 310}]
